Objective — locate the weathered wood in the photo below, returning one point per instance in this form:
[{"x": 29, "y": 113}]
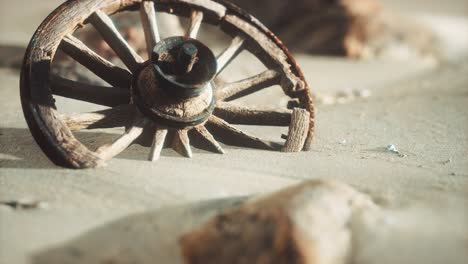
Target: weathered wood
[
  {"x": 104, "y": 69},
  {"x": 213, "y": 8},
  {"x": 118, "y": 116},
  {"x": 230, "y": 135},
  {"x": 310, "y": 223},
  {"x": 158, "y": 144},
  {"x": 236, "y": 114},
  {"x": 268, "y": 51},
  {"x": 205, "y": 134},
  {"x": 228, "y": 54},
  {"x": 298, "y": 131},
  {"x": 55, "y": 137},
  {"x": 181, "y": 143},
  {"x": 107, "y": 96},
  {"x": 150, "y": 27},
  {"x": 112, "y": 36},
  {"x": 109, "y": 151},
  {"x": 235, "y": 90},
  {"x": 196, "y": 19}
]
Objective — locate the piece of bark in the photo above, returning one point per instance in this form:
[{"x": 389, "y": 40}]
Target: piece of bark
[{"x": 307, "y": 224}]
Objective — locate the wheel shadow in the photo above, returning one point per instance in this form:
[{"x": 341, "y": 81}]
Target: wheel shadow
[
  {"x": 11, "y": 56},
  {"x": 149, "y": 237},
  {"x": 19, "y": 150}
]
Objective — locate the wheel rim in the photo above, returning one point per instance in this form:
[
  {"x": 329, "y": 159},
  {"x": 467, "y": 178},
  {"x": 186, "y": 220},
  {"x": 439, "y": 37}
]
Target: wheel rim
[{"x": 52, "y": 131}]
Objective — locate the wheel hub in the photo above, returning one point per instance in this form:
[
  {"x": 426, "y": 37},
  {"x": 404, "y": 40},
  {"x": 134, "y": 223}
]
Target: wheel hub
[{"x": 175, "y": 87}]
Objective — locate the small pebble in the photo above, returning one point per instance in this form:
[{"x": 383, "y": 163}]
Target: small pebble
[
  {"x": 446, "y": 162},
  {"x": 363, "y": 93},
  {"x": 392, "y": 148},
  {"x": 343, "y": 142}
]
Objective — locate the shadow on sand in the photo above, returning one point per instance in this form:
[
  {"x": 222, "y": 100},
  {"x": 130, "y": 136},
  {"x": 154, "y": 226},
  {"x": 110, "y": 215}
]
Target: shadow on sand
[{"x": 150, "y": 237}]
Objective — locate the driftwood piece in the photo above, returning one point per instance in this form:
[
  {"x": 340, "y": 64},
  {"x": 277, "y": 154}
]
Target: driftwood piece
[
  {"x": 107, "y": 96},
  {"x": 112, "y": 36},
  {"x": 305, "y": 224},
  {"x": 298, "y": 130},
  {"x": 236, "y": 114},
  {"x": 235, "y": 90},
  {"x": 118, "y": 116}
]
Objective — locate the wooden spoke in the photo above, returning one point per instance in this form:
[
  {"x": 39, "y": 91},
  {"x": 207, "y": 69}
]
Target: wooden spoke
[
  {"x": 228, "y": 134},
  {"x": 195, "y": 23},
  {"x": 158, "y": 144},
  {"x": 298, "y": 130},
  {"x": 118, "y": 116},
  {"x": 229, "y": 53},
  {"x": 111, "y": 35},
  {"x": 236, "y": 114},
  {"x": 205, "y": 134},
  {"x": 235, "y": 90},
  {"x": 108, "y": 96},
  {"x": 109, "y": 151},
  {"x": 181, "y": 143},
  {"x": 150, "y": 27},
  {"x": 107, "y": 71}
]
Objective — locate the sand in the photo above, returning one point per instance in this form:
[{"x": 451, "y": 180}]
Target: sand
[{"x": 420, "y": 108}]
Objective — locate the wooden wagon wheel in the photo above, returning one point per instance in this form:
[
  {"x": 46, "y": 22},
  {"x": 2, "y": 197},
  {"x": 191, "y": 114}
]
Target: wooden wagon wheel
[{"x": 168, "y": 96}]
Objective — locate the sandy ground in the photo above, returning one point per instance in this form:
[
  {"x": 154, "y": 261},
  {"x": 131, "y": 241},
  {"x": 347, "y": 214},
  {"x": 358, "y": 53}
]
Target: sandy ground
[{"x": 420, "y": 108}]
